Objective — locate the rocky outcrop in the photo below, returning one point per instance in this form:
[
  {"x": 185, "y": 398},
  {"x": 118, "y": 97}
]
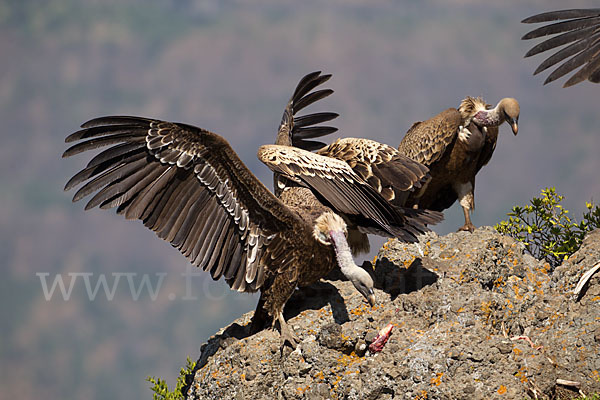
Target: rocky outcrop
[{"x": 474, "y": 317}]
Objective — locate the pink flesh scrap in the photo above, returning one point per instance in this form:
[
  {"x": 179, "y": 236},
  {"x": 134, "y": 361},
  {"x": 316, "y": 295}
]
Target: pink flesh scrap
[{"x": 381, "y": 339}]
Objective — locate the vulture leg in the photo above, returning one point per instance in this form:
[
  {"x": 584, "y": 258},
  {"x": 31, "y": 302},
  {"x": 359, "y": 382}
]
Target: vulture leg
[
  {"x": 466, "y": 199},
  {"x": 287, "y": 333},
  {"x": 260, "y": 317},
  {"x": 259, "y": 320},
  {"x": 468, "y": 226}
]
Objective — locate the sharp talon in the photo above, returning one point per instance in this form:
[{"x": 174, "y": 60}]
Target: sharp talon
[
  {"x": 287, "y": 334},
  {"x": 467, "y": 228}
]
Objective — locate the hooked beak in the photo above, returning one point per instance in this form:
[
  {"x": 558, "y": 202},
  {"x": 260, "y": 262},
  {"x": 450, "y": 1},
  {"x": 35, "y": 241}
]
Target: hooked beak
[
  {"x": 371, "y": 298},
  {"x": 514, "y": 124}
]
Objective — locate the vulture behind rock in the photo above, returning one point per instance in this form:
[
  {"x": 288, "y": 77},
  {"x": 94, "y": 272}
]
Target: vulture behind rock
[
  {"x": 190, "y": 187},
  {"x": 579, "y": 29},
  {"x": 455, "y": 145}
]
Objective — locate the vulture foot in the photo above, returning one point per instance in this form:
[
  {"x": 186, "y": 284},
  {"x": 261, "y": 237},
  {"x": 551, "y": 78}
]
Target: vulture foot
[
  {"x": 287, "y": 334},
  {"x": 469, "y": 227}
]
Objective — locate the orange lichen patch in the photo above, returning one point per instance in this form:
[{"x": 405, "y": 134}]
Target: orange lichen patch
[
  {"x": 487, "y": 310},
  {"x": 407, "y": 263},
  {"x": 596, "y": 375},
  {"x": 596, "y": 298},
  {"x": 501, "y": 389},
  {"x": 499, "y": 282},
  {"x": 301, "y": 390},
  {"x": 347, "y": 360},
  {"x": 461, "y": 278},
  {"x": 522, "y": 375},
  {"x": 320, "y": 376},
  {"x": 325, "y": 311},
  {"x": 544, "y": 269},
  {"x": 517, "y": 352},
  {"x": 460, "y": 310},
  {"x": 437, "y": 380},
  {"x": 360, "y": 310},
  {"x": 517, "y": 295},
  {"x": 422, "y": 396}
]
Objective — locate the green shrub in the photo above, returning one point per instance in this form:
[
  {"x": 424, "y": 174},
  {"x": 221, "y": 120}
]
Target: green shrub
[
  {"x": 595, "y": 396},
  {"x": 546, "y": 229},
  {"x": 161, "y": 390}
]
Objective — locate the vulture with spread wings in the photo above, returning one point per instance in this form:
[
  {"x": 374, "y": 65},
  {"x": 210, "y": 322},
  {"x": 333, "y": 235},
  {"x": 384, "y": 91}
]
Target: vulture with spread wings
[
  {"x": 579, "y": 29},
  {"x": 190, "y": 187}
]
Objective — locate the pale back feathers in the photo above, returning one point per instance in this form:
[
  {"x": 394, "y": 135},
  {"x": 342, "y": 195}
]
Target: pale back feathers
[
  {"x": 383, "y": 167},
  {"x": 336, "y": 185}
]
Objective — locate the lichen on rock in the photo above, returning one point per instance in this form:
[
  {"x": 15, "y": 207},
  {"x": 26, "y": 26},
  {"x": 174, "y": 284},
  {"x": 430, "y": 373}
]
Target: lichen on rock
[{"x": 474, "y": 317}]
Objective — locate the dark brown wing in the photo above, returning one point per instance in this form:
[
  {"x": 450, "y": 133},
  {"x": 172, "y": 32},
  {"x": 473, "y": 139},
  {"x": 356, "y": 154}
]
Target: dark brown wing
[
  {"x": 297, "y": 130},
  {"x": 485, "y": 155},
  {"x": 191, "y": 188},
  {"x": 579, "y": 29},
  {"x": 334, "y": 182},
  {"x": 383, "y": 167},
  {"x": 427, "y": 141}
]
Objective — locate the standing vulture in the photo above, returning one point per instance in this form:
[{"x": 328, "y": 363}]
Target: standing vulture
[
  {"x": 190, "y": 187},
  {"x": 455, "y": 145},
  {"x": 580, "y": 30}
]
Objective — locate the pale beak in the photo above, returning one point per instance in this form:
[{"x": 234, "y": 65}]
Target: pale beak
[
  {"x": 514, "y": 126},
  {"x": 371, "y": 299}
]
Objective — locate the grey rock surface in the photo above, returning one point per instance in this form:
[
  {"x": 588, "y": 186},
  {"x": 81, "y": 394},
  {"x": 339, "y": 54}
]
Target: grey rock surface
[{"x": 474, "y": 317}]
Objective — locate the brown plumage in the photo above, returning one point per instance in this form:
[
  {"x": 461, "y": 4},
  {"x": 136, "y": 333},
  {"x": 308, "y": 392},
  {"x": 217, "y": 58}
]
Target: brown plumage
[
  {"x": 385, "y": 170},
  {"x": 455, "y": 145},
  {"x": 190, "y": 187},
  {"x": 389, "y": 172},
  {"x": 577, "y": 28}
]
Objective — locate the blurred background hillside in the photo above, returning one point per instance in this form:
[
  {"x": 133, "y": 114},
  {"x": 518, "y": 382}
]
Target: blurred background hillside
[{"x": 230, "y": 66}]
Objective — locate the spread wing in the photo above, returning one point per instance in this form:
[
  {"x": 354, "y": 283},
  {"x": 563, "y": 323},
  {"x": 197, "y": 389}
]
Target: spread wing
[
  {"x": 298, "y": 130},
  {"x": 427, "y": 141},
  {"x": 383, "y": 167},
  {"x": 341, "y": 188},
  {"x": 191, "y": 188},
  {"x": 579, "y": 29}
]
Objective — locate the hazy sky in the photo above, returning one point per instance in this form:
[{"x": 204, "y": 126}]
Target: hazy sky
[{"x": 230, "y": 67}]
